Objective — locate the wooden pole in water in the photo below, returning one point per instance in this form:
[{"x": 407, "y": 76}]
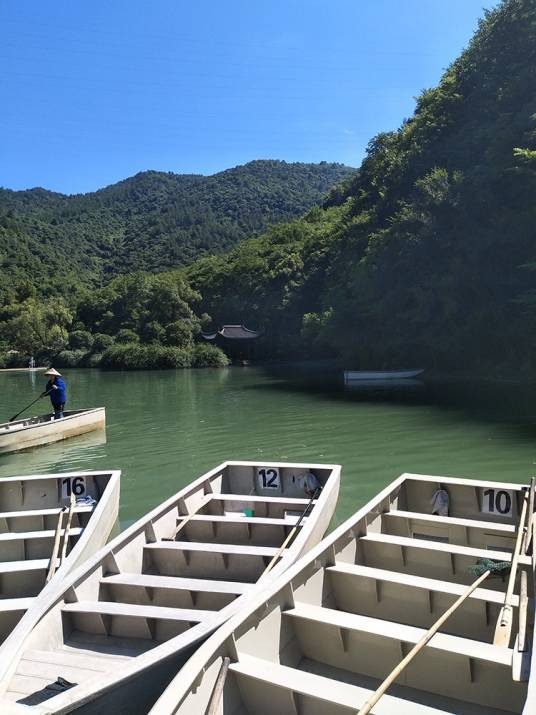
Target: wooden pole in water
[
  {"x": 54, "y": 557},
  {"x": 503, "y": 629},
  {"x": 393, "y": 675}
]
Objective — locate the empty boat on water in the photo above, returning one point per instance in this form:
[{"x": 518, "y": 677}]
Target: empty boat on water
[
  {"x": 36, "y": 431},
  {"x": 37, "y": 522},
  {"x": 113, "y": 634},
  {"x": 362, "y": 375},
  {"x": 323, "y": 638}
]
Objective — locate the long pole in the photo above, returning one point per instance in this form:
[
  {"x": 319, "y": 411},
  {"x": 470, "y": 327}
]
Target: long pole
[
  {"x": 54, "y": 557},
  {"x": 187, "y": 518},
  {"x": 393, "y": 675},
  {"x": 218, "y": 687},
  {"x": 43, "y": 394},
  {"x": 289, "y": 537},
  {"x": 503, "y": 629},
  {"x": 67, "y": 528}
]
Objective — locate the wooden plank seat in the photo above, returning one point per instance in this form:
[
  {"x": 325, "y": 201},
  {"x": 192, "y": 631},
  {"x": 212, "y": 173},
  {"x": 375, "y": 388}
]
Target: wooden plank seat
[
  {"x": 289, "y": 520},
  {"x": 177, "y": 583},
  {"x": 226, "y": 549},
  {"x": 261, "y": 505},
  {"x": 132, "y": 610},
  {"x": 258, "y": 498},
  {"x": 26, "y": 513},
  {"x": 8, "y": 567},
  {"x": 449, "y": 644},
  {"x": 419, "y": 582},
  {"x": 429, "y": 558},
  {"x": 194, "y": 559},
  {"x": 28, "y": 535},
  {"x": 283, "y": 684},
  {"x": 15, "y": 604},
  {"x": 490, "y": 526}
]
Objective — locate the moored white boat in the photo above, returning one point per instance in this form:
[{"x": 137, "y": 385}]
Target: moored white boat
[
  {"x": 351, "y": 375},
  {"x": 323, "y": 637},
  {"x": 113, "y": 634},
  {"x": 30, "y": 508},
  {"x": 35, "y": 431}
]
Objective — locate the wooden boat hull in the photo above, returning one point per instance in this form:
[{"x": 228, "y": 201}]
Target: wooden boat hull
[
  {"x": 129, "y": 600},
  {"x": 37, "y": 431},
  {"x": 323, "y": 637},
  {"x": 362, "y": 375},
  {"x": 29, "y": 510}
]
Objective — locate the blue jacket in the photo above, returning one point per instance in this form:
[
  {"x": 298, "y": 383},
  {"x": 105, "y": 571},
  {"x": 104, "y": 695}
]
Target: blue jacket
[{"x": 59, "y": 396}]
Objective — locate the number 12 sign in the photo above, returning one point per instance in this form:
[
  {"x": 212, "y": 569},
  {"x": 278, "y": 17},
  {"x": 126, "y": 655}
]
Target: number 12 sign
[{"x": 268, "y": 478}]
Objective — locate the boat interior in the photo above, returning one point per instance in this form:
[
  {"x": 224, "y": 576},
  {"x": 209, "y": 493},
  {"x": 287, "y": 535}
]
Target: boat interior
[
  {"x": 322, "y": 641},
  {"x": 30, "y": 509},
  {"x": 170, "y": 576},
  {"x": 38, "y": 420}
]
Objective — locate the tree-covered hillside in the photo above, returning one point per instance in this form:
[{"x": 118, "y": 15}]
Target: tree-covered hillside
[
  {"x": 427, "y": 256},
  {"x": 153, "y": 221}
]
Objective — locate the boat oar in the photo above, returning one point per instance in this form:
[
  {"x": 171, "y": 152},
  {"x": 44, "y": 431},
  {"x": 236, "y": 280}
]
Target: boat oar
[
  {"x": 54, "y": 557},
  {"x": 43, "y": 394},
  {"x": 187, "y": 518},
  {"x": 503, "y": 629},
  {"x": 289, "y": 537},
  {"x": 215, "y": 698},
  {"x": 67, "y": 528},
  {"x": 393, "y": 675}
]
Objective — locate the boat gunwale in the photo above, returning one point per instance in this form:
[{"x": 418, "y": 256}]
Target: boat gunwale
[
  {"x": 14, "y": 646},
  {"x": 173, "y": 696},
  {"x": 73, "y": 414}
]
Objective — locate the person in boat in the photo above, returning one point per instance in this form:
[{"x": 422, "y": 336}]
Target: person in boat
[{"x": 57, "y": 391}]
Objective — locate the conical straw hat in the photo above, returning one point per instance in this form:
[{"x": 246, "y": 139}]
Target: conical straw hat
[{"x": 53, "y": 371}]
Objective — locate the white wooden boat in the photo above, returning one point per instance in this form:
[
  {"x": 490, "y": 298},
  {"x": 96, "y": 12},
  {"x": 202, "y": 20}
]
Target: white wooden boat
[
  {"x": 119, "y": 628},
  {"x": 322, "y": 639},
  {"x": 351, "y": 375},
  {"x": 29, "y": 514},
  {"x": 35, "y": 431}
]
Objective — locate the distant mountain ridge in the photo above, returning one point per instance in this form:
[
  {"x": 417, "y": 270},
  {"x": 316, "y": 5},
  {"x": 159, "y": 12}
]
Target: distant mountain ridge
[{"x": 152, "y": 221}]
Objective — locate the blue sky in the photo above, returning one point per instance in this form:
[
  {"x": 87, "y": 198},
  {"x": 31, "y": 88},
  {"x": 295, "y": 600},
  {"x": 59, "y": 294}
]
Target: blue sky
[{"x": 93, "y": 92}]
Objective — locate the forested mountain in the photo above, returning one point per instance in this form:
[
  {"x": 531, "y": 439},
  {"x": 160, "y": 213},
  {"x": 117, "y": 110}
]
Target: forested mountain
[
  {"x": 150, "y": 222},
  {"x": 427, "y": 256}
]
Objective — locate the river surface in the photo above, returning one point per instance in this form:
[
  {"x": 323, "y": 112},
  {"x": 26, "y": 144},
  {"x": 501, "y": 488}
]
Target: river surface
[{"x": 165, "y": 428}]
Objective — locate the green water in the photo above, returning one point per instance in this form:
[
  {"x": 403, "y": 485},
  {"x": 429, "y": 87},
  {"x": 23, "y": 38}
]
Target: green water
[{"x": 165, "y": 428}]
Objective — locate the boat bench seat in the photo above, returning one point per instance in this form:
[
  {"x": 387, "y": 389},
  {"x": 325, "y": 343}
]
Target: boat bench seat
[
  {"x": 289, "y": 520},
  {"x": 27, "y": 535},
  {"x": 291, "y": 501},
  {"x": 132, "y": 610},
  {"x": 227, "y": 549},
  {"x": 454, "y": 549},
  {"x": 7, "y": 567},
  {"x": 16, "y": 604},
  {"x": 42, "y": 512},
  {"x": 419, "y": 582},
  {"x": 397, "y": 631},
  {"x": 334, "y": 693},
  {"x": 177, "y": 582},
  {"x": 506, "y": 529}
]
